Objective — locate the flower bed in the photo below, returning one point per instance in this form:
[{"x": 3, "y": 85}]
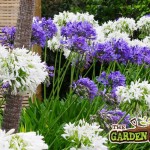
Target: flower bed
[{"x": 106, "y": 68}]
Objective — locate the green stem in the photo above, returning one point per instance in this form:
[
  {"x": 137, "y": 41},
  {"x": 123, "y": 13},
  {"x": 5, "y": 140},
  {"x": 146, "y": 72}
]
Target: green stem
[
  {"x": 88, "y": 70},
  {"x": 139, "y": 71},
  {"x": 45, "y": 54},
  {"x": 62, "y": 78},
  {"x": 101, "y": 68},
  {"x": 60, "y": 116},
  {"x": 72, "y": 75},
  {"x": 58, "y": 88},
  {"x": 54, "y": 74},
  {"x": 93, "y": 74}
]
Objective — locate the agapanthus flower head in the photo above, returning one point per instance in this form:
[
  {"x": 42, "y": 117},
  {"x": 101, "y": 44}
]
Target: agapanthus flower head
[
  {"x": 63, "y": 17},
  {"x": 77, "y": 44},
  {"x": 77, "y": 36},
  {"x": 114, "y": 116},
  {"x": 22, "y": 70},
  {"x": 122, "y": 25},
  {"x": 38, "y": 34},
  {"x": 4, "y": 139},
  {"x": 85, "y": 88},
  {"x": 5, "y": 85},
  {"x": 146, "y": 41},
  {"x": 50, "y": 70},
  {"x": 136, "y": 91},
  {"x": 81, "y": 29},
  {"x": 8, "y": 36},
  {"x": 143, "y": 24},
  {"x": 112, "y": 80},
  {"x": 140, "y": 54},
  {"x": 103, "y": 78},
  {"x": 112, "y": 50},
  {"x": 20, "y": 141},
  {"x": 116, "y": 79},
  {"x": 126, "y": 25},
  {"x": 84, "y": 135},
  {"x": 49, "y": 27},
  {"x": 107, "y": 28},
  {"x": 117, "y": 35}
]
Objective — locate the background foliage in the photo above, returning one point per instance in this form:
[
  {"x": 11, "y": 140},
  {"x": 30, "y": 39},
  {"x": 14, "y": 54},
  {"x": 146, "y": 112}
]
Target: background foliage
[{"x": 103, "y": 10}]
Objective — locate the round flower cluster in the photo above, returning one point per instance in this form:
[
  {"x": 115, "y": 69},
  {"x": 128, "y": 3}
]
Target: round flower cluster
[
  {"x": 61, "y": 20},
  {"x": 7, "y": 39},
  {"x": 20, "y": 141},
  {"x": 126, "y": 25},
  {"x": 146, "y": 41},
  {"x": 78, "y": 35},
  {"x": 42, "y": 30},
  {"x": 113, "y": 117},
  {"x": 84, "y": 136},
  {"x": 21, "y": 70},
  {"x": 63, "y": 17},
  {"x": 143, "y": 24},
  {"x": 85, "y": 88},
  {"x": 136, "y": 91},
  {"x": 113, "y": 80}
]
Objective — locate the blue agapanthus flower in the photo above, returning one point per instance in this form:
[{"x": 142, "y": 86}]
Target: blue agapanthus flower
[
  {"x": 5, "y": 85},
  {"x": 140, "y": 54},
  {"x": 49, "y": 27},
  {"x": 120, "y": 51},
  {"x": 8, "y": 36},
  {"x": 112, "y": 80},
  {"x": 85, "y": 88},
  {"x": 38, "y": 35},
  {"x": 113, "y": 50},
  {"x": 116, "y": 79},
  {"x": 77, "y": 35},
  {"x": 103, "y": 78},
  {"x": 114, "y": 116},
  {"x": 81, "y": 29},
  {"x": 50, "y": 70}
]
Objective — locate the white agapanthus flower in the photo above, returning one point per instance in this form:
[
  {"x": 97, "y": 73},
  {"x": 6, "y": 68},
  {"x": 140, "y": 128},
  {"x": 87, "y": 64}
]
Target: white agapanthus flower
[
  {"x": 22, "y": 70},
  {"x": 137, "y": 42},
  {"x": 21, "y": 141},
  {"x": 118, "y": 35},
  {"x": 100, "y": 34},
  {"x": 127, "y": 25},
  {"x": 63, "y": 17},
  {"x": 54, "y": 43},
  {"x": 107, "y": 28},
  {"x": 4, "y": 139},
  {"x": 122, "y": 25},
  {"x": 143, "y": 24},
  {"x": 146, "y": 41},
  {"x": 139, "y": 91},
  {"x": 87, "y": 17},
  {"x": 84, "y": 134}
]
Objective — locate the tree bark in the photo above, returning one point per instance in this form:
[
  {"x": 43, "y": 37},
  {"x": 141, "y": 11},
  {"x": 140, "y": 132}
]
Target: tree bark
[
  {"x": 12, "y": 112},
  {"x": 24, "y": 24},
  {"x": 13, "y": 105}
]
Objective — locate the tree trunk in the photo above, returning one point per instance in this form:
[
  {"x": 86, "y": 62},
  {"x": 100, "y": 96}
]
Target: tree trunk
[
  {"x": 24, "y": 24},
  {"x": 12, "y": 112},
  {"x": 13, "y": 105}
]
